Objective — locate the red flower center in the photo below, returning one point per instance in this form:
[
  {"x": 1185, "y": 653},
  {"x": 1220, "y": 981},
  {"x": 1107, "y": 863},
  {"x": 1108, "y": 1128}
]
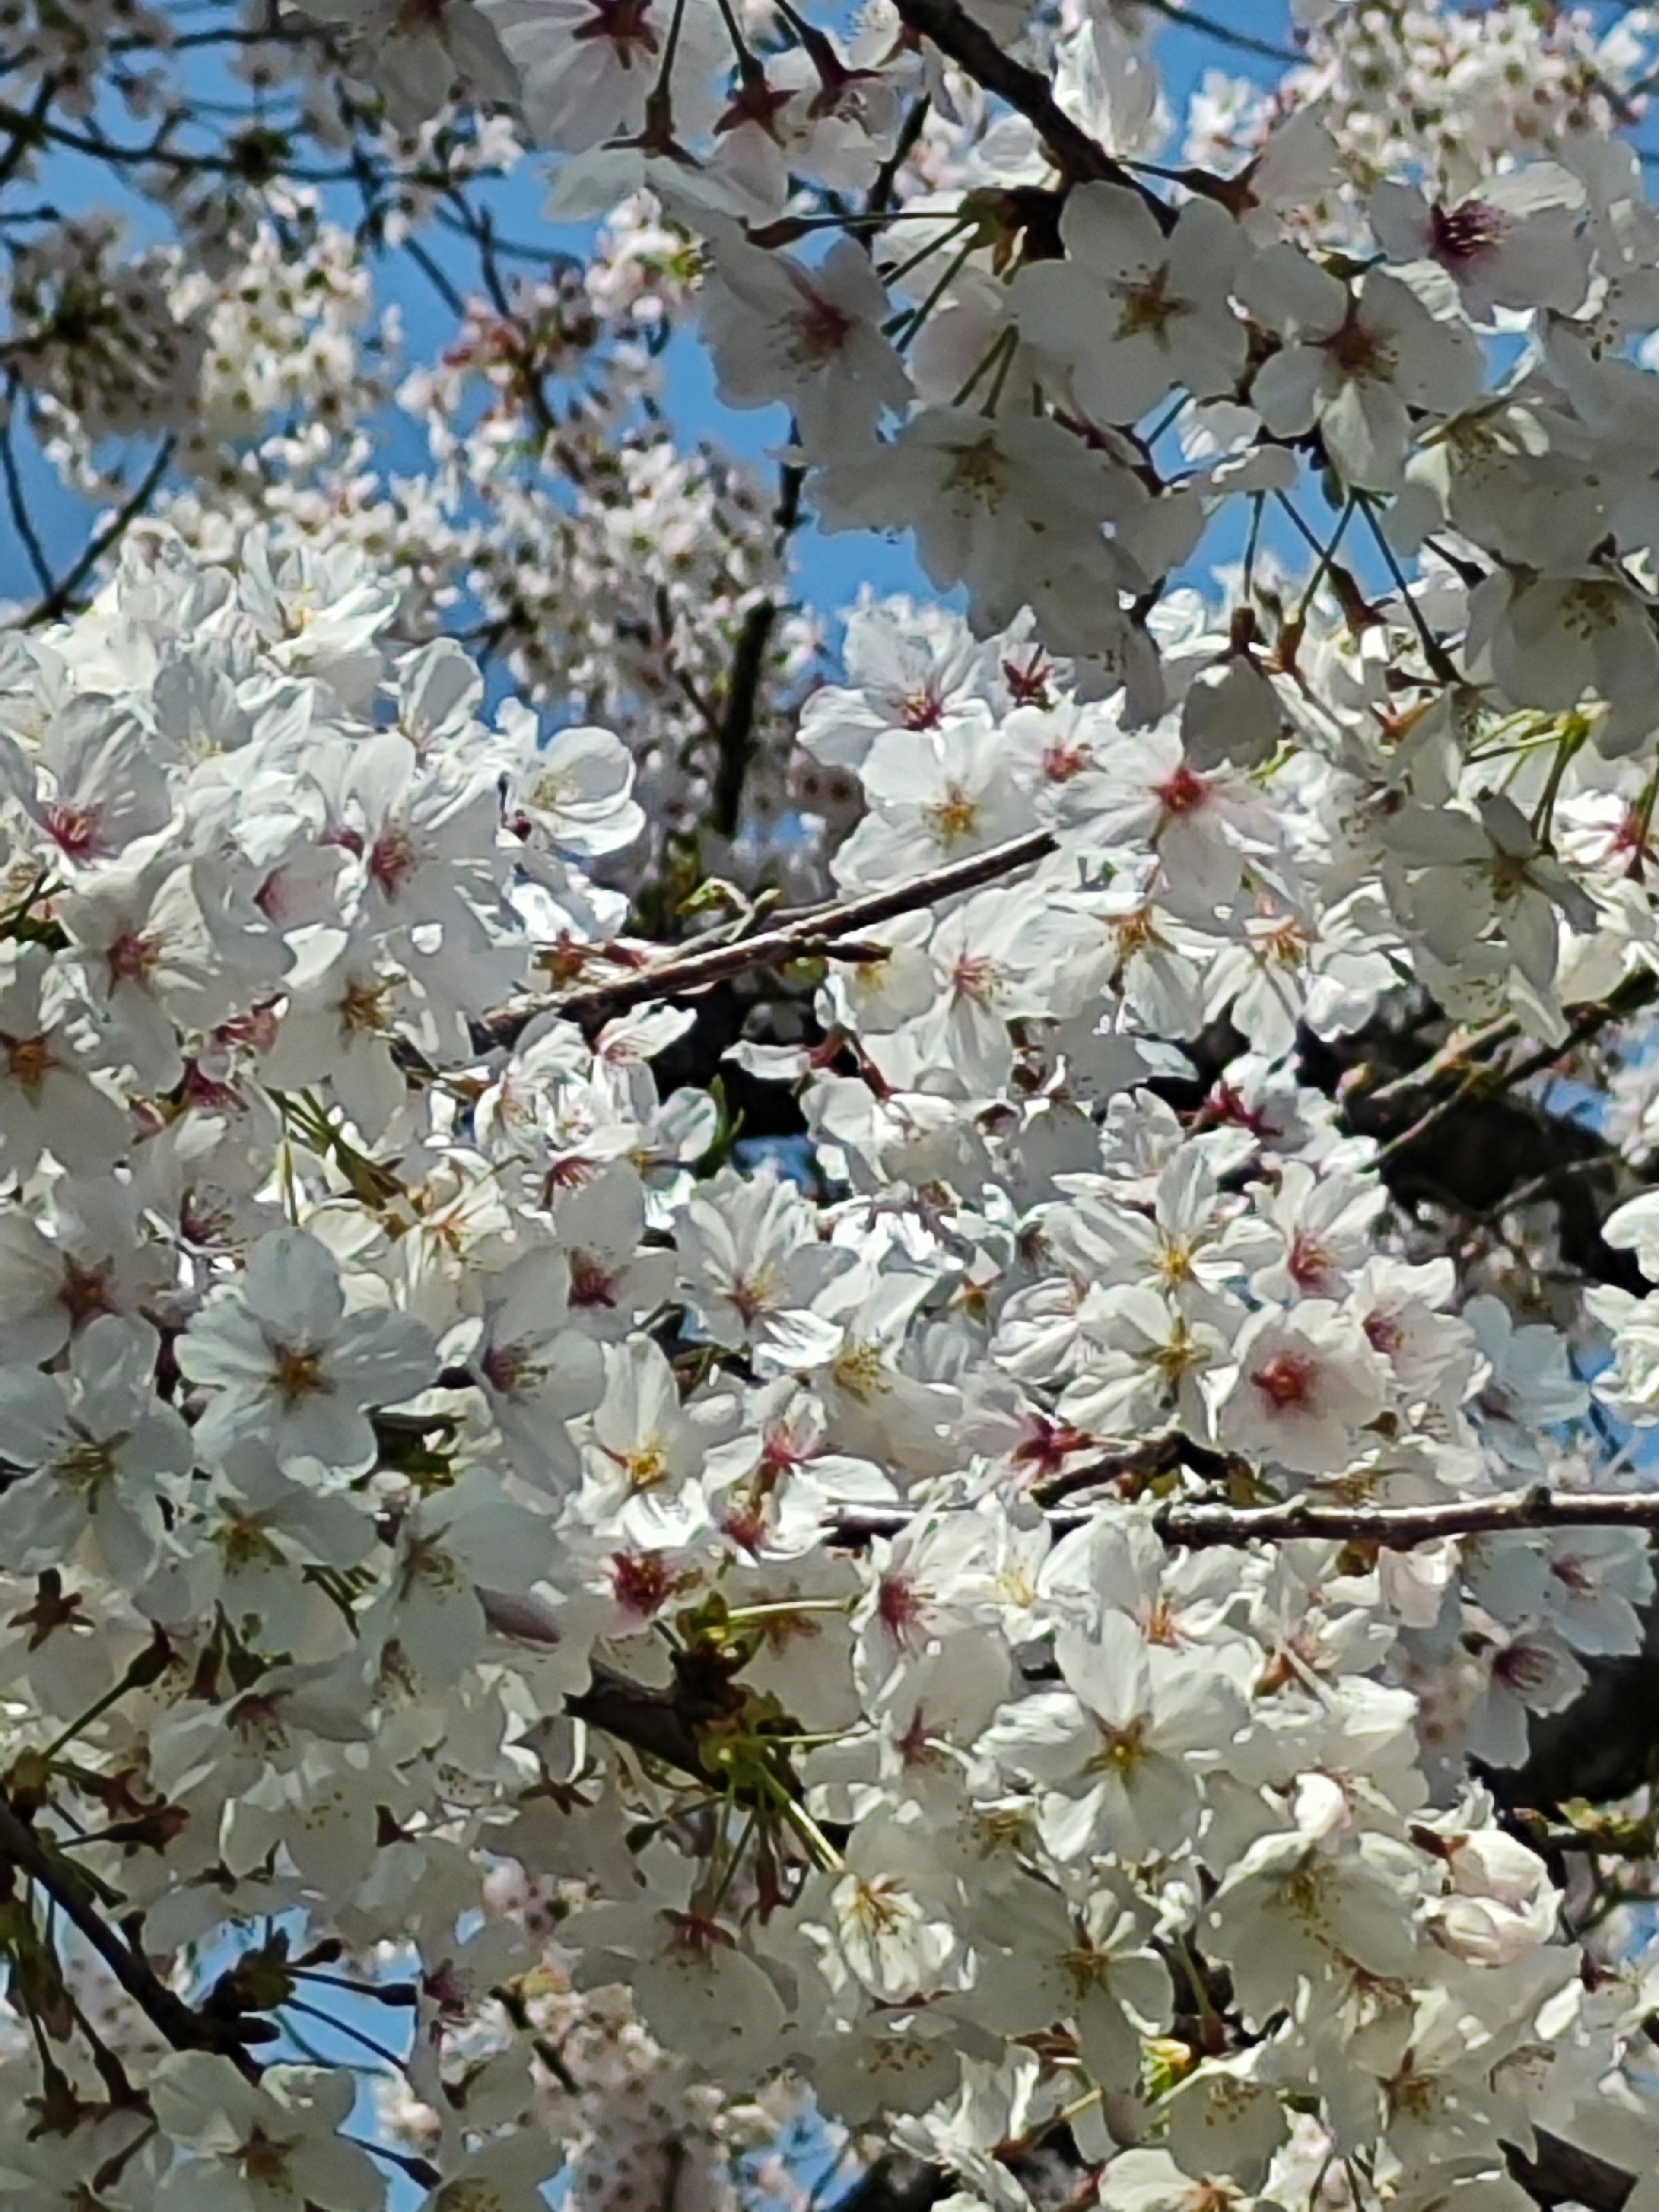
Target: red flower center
[{"x": 1285, "y": 1380}]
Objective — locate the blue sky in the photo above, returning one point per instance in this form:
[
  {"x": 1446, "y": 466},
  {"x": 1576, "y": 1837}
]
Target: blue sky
[{"x": 830, "y": 570}]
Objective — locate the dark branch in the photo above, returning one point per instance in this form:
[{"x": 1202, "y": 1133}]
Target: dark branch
[
  {"x": 816, "y": 931},
  {"x": 1199, "y": 1524},
  {"x": 183, "y": 2026},
  {"x": 879, "y": 197},
  {"x": 739, "y": 719},
  {"x": 61, "y": 597},
  {"x": 18, "y": 503},
  {"x": 1242, "y": 42},
  {"x": 1079, "y": 158},
  {"x": 650, "y": 1720}
]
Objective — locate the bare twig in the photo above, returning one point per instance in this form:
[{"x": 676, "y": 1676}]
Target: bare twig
[
  {"x": 818, "y": 932},
  {"x": 1474, "y": 1079},
  {"x": 1206, "y": 26},
  {"x": 1632, "y": 996}
]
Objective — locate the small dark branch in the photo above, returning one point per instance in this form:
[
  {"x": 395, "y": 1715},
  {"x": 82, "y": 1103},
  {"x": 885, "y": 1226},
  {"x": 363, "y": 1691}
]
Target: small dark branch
[
  {"x": 1630, "y": 996},
  {"x": 60, "y": 597},
  {"x": 1128, "y": 1471},
  {"x": 1198, "y": 1524},
  {"x": 1476, "y": 1077},
  {"x": 26, "y": 129},
  {"x": 738, "y": 722},
  {"x": 435, "y": 277},
  {"x": 181, "y": 2025},
  {"x": 1455, "y": 1057},
  {"x": 1463, "y": 1053},
  {"x": 1430, "y": 1118},
  {"x": 880, "y": 197},
  {"x": 289, "y": 32},
  {"x": 1079, "y": 158},
  {"x": 1242, "y": 42},
  {"x": 814, "y": 933},
  {"x": 1440, "y": 662},
  {"x": 92, "y": 142},
  {"x": 478, "y": 224},
  {"x": 22, "y": 521},
  {"x": 735, "y": 733}
]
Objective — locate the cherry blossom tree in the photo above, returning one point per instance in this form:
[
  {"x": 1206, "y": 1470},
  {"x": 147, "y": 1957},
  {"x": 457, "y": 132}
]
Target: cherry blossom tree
[{"x": 803, "y": 1404}]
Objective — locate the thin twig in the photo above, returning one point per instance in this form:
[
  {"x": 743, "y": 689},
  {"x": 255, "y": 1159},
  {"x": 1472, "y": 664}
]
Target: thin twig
[
  {"x": 1440, "y": 662},
  {"x": 1242, "y": 42},
  {"x": 15, "y": 500},
  {"x": 1474, "y": 1079},
  {"x": 60, "y": 597},
  {"x": 1635, "y": 993},
  {"x": 880, "y": 197},
  {"x": 1637, "y": 990},
  {"x": 1452, "y": 1059}
]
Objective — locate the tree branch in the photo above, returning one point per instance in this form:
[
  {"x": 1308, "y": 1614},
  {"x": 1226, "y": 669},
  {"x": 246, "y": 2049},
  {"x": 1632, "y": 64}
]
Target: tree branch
[
  {"x": 1079, "y": 158},
  {"x": 650, "y": 1720},
  {"x": 1468, "y": 1131},
  {"x": 59, "y": 600},
  {"x": 184, "y": 2027},
  {"x": 1206, "y": 26},
  {"x": 1199, "y": 1523},
  {"x": 816, "y": 931},
  {"x": 880, "y": 197},
  {"x": 22, "y": 521},
  {"x": 1465, "y": 1053},
  {"x": 734, "y": 734}
]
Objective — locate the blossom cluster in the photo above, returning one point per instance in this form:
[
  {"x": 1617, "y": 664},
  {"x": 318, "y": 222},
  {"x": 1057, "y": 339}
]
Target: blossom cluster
[
  {"x": 1011, "y": 1619},
  {"x": 344, "y": 1496}
]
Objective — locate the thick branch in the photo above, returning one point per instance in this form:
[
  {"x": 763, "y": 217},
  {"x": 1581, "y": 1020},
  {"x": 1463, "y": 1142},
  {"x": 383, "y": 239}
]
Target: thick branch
[
  {"x": 1199, "y": 1524},
  {"x": 650, "y": 1720},
  {"x": 816, "y": 933}
]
